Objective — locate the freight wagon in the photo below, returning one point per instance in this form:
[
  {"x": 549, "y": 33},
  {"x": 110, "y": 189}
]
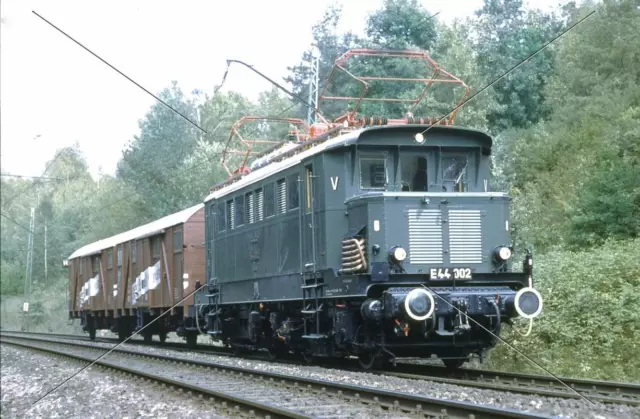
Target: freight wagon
[{"x": 123, "y": 282}]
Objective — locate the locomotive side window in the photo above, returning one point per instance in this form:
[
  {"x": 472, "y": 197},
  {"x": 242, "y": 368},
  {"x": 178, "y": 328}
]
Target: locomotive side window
[
  {"x": 454, "y": 172},
  {"x": 270, "y": 201},
  {"x": 239, "y": 206},
  {"x": 281, "y": 201},
  {"x": 222, "y": 219},
  {"x": 260, "y": 203},
  {"x": 293, "y": 199},
  {"x": 373, "y": 172}
]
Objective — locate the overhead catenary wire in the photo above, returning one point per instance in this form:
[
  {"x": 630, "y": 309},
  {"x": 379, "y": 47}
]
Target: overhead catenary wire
[
  {"x": 34, "y": 184},
  {"x": 30, "y": 177},
  {"x": 304, "y": 102},
  {"x": 121, "y": 73},
  {"x": 506, "y": 73}
]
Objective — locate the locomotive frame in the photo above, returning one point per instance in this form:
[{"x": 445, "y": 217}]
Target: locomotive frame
[{"x": 305, "y": 254}]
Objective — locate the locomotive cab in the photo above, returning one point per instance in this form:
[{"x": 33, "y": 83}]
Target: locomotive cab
[{"x": 432, "y": 242}]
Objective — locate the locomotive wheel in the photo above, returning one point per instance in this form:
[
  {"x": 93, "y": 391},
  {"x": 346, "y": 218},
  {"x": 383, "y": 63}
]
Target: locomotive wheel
[
  {"x": 307, "y": 358},
  {"x": 369, "y": 360},
  {"x": 148, "y": 337},
  {"x": 163, "y": 336},
  {"x": 277, "y": 352},
  {"x": 453, "y": 364}
]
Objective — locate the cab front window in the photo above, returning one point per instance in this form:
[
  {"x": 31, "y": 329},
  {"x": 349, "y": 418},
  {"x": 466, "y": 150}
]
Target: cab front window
[
  {"x": 373, "y": 172},
  {"x": 454, "y": 172},
  {"x": 414, "y": 173}
]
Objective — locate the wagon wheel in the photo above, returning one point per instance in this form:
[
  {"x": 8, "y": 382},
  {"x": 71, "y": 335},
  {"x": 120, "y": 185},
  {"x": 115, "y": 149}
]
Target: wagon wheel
[
  {"x": 192, "y": 340},
  {"x": 163, "y": 336}
]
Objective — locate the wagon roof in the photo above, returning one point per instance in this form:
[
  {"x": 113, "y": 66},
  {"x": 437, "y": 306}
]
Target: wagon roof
[
  {"x": 341, "y": 140},
  {"x": 142, "y": 231}
]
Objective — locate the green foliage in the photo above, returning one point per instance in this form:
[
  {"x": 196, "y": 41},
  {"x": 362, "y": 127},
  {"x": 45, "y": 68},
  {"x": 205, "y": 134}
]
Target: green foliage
[
  {"x": 567, "y": 147},
  {"x": 152, "y": 160},
  {"x": 402, "y": 24},
  {"x": 591, "y": 316},
  {"x": 11, "y": 277},
  {"x": 330, "y": 45},
  {"x": 506, "y": 34},
  {"x": 578, "y": 171},
  {"x": 609, "y": 206}
]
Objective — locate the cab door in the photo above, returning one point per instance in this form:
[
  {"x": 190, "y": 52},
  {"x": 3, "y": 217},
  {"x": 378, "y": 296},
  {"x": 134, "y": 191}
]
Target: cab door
[{"x": 308, "y": 217}]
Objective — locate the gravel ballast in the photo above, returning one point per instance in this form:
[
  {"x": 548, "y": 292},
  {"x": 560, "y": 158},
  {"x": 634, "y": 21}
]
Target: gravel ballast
[
  {"x": 94, "y": 393},
  {"x": 292, "y": 398},
  {"x": 570, "y": 408}
]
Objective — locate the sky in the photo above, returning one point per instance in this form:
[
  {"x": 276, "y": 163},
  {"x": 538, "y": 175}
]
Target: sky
[{"x": 53, "y": 93}]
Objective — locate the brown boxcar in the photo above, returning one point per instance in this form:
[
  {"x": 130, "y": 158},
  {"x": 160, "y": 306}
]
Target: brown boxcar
[{"x": 124, "y": 282}]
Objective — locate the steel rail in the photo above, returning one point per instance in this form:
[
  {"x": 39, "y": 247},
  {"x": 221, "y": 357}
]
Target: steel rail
[
  {"x": 384, "y": 400},
  {"x": 608, "y": 392}
]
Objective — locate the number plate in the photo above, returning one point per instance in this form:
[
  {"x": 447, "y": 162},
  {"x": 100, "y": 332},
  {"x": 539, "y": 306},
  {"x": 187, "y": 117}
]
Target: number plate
[{"x": 449, "y": 274}]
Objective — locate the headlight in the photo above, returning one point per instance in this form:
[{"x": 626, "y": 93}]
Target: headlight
[
  {"x": 502, "y": 253},
  {"x": 398, "y": 254}
]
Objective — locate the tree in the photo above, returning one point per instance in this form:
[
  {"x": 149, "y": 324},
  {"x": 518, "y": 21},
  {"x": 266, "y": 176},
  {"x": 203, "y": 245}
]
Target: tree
[
  {"x": 153, "y": 158},
  {"x": 330, "y": 45},
  {"x": 402, "y": 24},
  {"x": 505, "y": 34},
  {"x": 578, "y": 171}
]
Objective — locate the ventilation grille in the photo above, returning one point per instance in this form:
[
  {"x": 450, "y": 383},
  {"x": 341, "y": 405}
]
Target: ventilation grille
[
  {"x": 282, "y": 196},
  {"x": 425, "y": 236},
  {"x": 249, "y": 201},
  {"x": 465, "y": 236},
  {"x": 260, "y": 205},
  {"x": 231, "y": 214}
]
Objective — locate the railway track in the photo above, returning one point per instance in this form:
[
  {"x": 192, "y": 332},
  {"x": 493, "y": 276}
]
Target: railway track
[
  {"x": 266, "y": 394},
  {"x": 595, "y": 390}
]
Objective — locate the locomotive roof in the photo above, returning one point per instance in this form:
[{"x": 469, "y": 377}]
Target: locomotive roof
[
  {"x": 340, "y": 141},
  {"x": 139, "y": 232}
]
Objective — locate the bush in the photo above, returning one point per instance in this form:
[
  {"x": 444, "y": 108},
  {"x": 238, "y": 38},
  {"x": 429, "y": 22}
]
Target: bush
[
  {"x": 48, "y": 310},
  {"x": 591, "y": 317}
]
